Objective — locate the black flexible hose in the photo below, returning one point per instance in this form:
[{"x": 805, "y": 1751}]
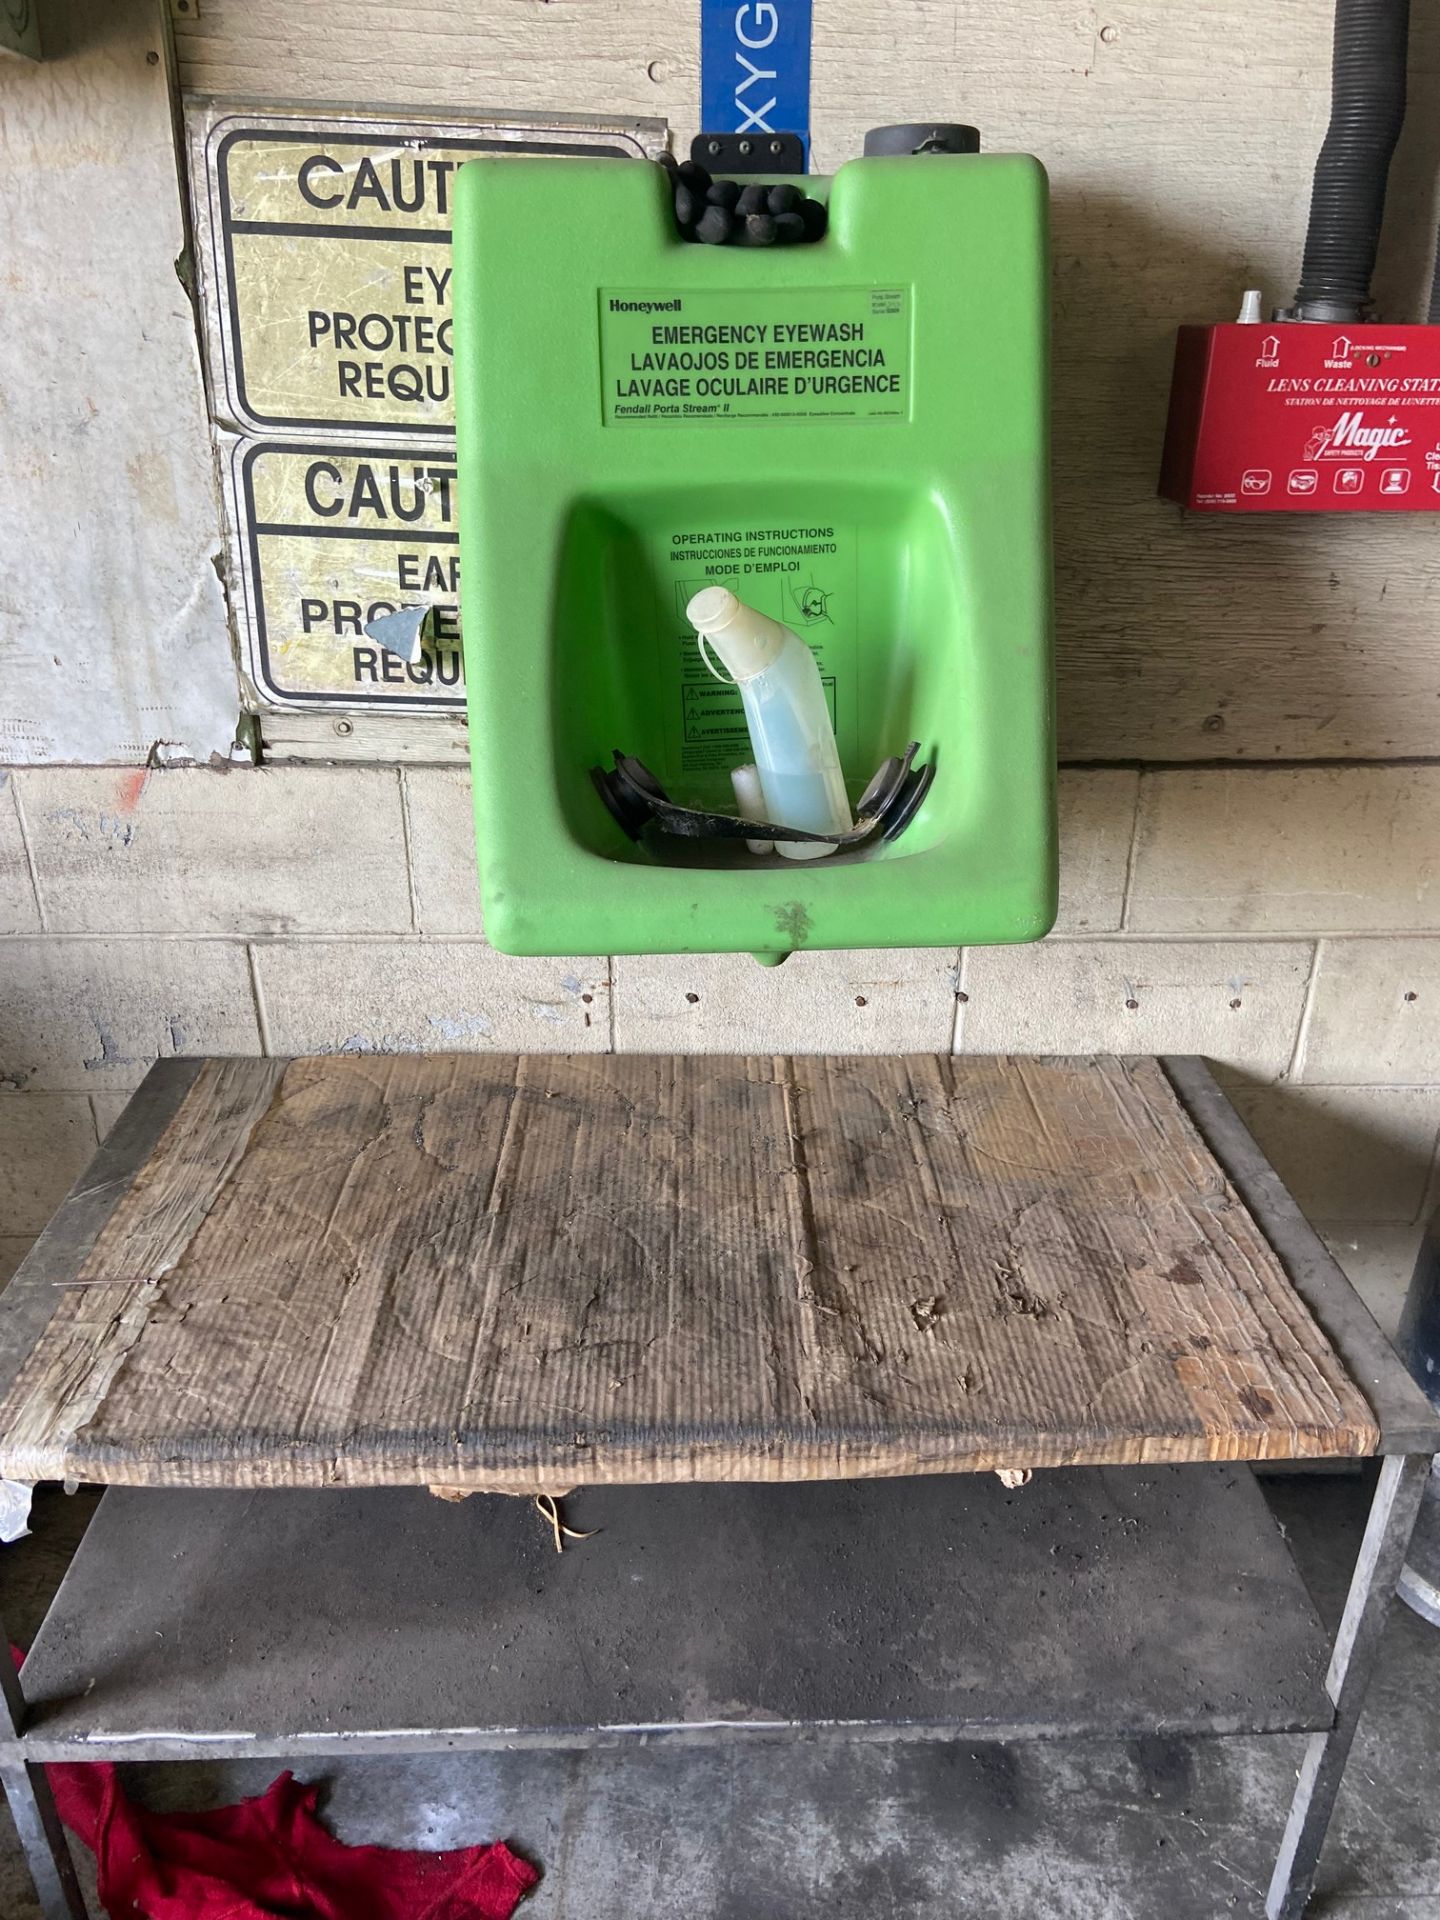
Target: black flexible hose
[{"x": 1347, "y": 202}]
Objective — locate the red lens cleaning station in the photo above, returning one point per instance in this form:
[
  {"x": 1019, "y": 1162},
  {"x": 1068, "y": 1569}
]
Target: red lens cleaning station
[{"x": 1293, "y": 417}]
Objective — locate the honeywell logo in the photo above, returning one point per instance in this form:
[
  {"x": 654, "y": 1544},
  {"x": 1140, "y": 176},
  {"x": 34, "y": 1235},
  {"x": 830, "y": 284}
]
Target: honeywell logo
[
  {"x": 1351, "y": 439},
  {"x": 645, "y": 306}
]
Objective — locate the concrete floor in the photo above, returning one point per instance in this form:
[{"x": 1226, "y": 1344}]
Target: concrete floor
[
  {"x": 1141, "y": 1830},
  {"x": 1082, "y": 1831}
]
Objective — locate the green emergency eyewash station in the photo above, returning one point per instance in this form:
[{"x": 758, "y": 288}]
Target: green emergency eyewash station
[{"x": 755, "y": 537}]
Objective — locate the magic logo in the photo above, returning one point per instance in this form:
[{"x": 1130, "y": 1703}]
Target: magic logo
[{"x": 1351, "y": 439}]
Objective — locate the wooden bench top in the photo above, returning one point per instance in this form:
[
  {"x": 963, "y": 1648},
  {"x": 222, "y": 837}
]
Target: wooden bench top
[{"x": 542, "y": 1271}]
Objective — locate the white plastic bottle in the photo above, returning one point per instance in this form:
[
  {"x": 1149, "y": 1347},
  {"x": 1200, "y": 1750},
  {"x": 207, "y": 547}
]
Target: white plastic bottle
[
  {"x": 749, "y": 804},
  {"x": 786, "y": 712}
]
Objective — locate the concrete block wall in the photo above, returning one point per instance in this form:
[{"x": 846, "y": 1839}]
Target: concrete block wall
[{"x": 1286, "y": 923}]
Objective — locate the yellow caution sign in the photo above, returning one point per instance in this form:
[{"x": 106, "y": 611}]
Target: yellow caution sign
[
  {"x": 329, "y": 539},
  {"x": 324, "y": 246}
]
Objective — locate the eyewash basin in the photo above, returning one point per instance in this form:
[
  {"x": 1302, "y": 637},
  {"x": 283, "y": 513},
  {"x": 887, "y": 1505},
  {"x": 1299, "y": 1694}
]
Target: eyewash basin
[{"x": 851, "y": 435}]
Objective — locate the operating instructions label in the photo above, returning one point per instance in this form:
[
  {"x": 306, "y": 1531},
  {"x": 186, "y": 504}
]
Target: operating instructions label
[
  {"x": 800, "y": 572},
  {"x": 730, "y": 358}
]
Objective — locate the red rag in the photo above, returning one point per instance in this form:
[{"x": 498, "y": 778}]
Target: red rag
[{"x": 270, "y": 1859}]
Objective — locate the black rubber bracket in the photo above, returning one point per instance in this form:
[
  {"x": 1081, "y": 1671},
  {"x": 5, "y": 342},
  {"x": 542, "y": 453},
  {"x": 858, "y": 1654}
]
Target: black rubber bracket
[
  {"x": 635, "y": 799},
  {"x": 741, "y": 153},
  {"x": 923, "y": 136}
]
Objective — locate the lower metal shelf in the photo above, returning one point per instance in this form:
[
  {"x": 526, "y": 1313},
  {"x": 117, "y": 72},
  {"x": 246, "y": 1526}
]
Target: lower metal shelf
[{"x": 1093, "y": 1601}]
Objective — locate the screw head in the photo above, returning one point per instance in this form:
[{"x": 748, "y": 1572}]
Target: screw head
[{"x": 344, "y": 727}]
